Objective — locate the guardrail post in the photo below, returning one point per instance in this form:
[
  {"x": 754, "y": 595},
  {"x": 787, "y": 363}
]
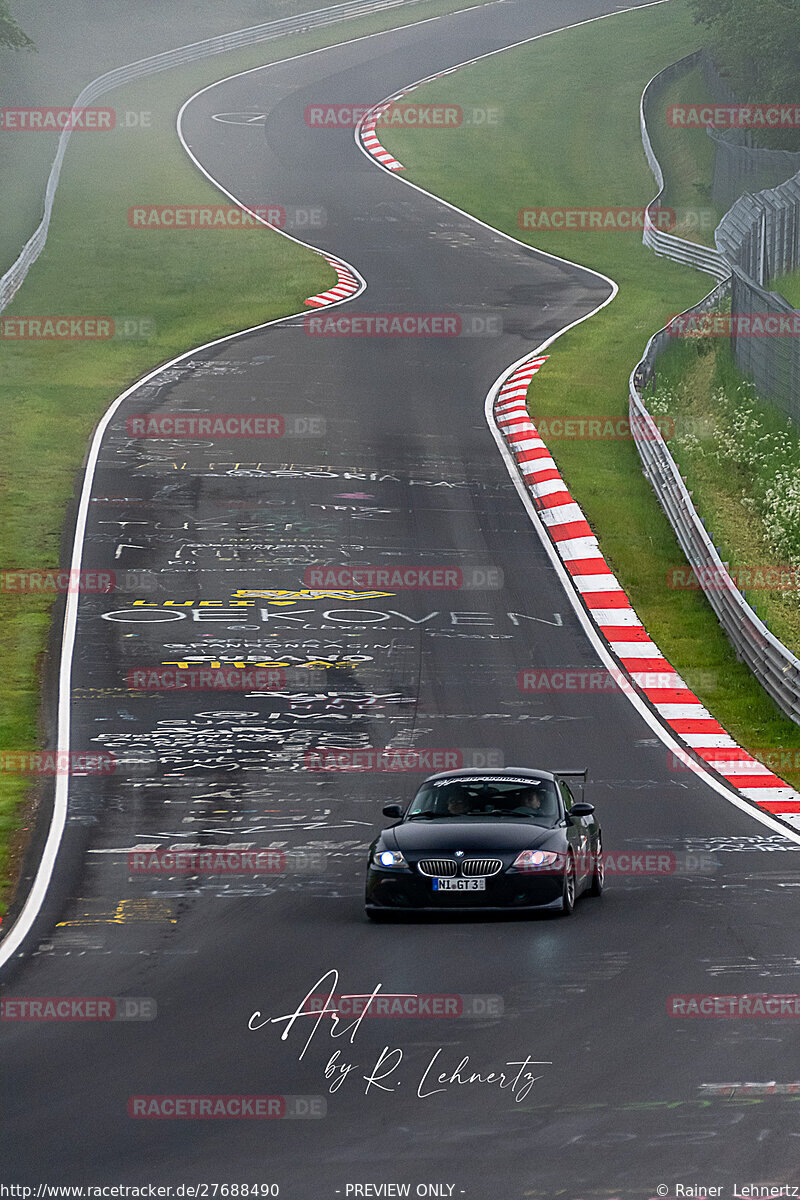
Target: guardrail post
[{"x": 743, "y": 247}]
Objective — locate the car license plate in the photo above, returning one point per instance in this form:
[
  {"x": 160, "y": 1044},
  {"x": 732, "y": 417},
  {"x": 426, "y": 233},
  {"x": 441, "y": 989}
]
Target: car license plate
[{"x": 459, "y": 885}]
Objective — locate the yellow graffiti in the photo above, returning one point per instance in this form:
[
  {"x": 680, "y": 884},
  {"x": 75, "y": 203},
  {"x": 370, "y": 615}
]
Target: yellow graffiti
[
  {"x": 246, "y": 597},
  {"x": 127, "y": 910},
  {"x": 279, "y": 596},
  {"x": 312, "y": 664}
]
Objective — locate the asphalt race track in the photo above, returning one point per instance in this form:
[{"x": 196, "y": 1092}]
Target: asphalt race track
[{"x": 405, "y": 473}]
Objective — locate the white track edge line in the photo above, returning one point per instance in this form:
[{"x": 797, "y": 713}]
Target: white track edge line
[
  {"x": 595, "y": 637},
  {"x": 33, "y": 903},
  {"x": 588, "y": 625},
  {"x": 13, "y": 938}
]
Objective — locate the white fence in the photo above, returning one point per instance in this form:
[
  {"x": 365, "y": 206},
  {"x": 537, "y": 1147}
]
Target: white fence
[
  {"x": 773, "y": 664},
  {"x": 14, "y": 277}
]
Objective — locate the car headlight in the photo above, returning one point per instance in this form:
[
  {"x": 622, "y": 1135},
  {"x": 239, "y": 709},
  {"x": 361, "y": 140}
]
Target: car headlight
[
  {"x": 534, "y": 860},
  {"x": 388, "y": 858}
]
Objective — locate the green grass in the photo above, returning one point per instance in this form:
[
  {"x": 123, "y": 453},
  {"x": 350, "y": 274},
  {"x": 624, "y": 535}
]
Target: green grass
[
  {"x": 55, "y": 75},
  {"x": 788, "y": 286},
  {"x": 65, "y": 60},
  {"x": 687, "y": 160},
  {"x": 690, "y": 377},
  {"x": 563, "y": 145},
  {"x": 191, "y": 286}
]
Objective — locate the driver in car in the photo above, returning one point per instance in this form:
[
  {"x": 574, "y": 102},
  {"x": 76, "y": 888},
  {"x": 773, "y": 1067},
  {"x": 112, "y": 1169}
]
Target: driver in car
[
  {"x": 457, "y": 805},
  {"x": 531, "y": 804}
]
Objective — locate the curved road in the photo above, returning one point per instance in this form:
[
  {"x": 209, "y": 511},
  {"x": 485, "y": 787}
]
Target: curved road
[{"x": 406, "y": 472}]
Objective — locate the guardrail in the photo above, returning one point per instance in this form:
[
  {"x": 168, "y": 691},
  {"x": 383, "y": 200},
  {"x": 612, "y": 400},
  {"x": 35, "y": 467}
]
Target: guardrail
[
  {"x": 773, "y": 664},
  {"x": 761, "y": 233},
  {"x": 704, "y": 258},
  {"x": 14, "y": 277}
]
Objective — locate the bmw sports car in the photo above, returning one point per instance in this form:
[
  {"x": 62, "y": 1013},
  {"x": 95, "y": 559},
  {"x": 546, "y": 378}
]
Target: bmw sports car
[{"x": 486, "y": 839}]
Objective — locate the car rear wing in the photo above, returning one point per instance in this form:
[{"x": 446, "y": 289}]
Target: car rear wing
[{"x": 582, "y": 775}]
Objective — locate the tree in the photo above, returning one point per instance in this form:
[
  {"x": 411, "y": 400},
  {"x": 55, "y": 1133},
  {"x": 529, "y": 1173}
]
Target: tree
[
  {"x": 757, "y": 45},
  {"x": 10, "y": 33}
]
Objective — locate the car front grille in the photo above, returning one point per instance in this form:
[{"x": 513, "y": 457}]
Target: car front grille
[
  {"x": 437, "y": 866},
  {"x": 474, "y": 867}
]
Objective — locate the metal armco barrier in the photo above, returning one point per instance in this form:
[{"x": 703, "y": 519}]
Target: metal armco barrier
[
  {"x": 776, "y": 668},
  {"x": 665, "y": 244},
  {"x": 773, "y": 664},
  {"x": 12, "y": 280}
]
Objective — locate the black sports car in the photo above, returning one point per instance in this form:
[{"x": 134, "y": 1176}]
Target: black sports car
[{"x": 487, "y": 839}]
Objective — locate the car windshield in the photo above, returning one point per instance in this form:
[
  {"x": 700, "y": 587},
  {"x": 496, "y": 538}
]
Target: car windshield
[{"x": 521, "y": 798}]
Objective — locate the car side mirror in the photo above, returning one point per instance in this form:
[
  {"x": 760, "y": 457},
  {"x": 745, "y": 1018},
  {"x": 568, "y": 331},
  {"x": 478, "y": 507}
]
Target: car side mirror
[
  {"x": 393, "y": 810},
  {"x": 581, "y": 810}
]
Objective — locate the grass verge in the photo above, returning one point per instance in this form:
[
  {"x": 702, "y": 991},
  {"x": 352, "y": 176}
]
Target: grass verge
[
  {"x": 687, "y": 160},
  {"x": 729, "y": 446},
  {"x": 789, "y": 287},
  {"x": 184, "y": 288},
  {"x": 69, "y": 55},
  {"x": 563, "y": 145}
]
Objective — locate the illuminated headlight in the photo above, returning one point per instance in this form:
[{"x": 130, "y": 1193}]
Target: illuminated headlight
[
  {"x": 388, "y": 858},
  {"x": 532, "y": 860}
]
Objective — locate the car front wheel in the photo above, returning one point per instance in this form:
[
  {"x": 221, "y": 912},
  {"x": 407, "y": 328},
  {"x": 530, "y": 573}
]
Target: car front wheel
[
  {"x": 570, "y": 888},
  {"x": 599, "y": 873}
]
